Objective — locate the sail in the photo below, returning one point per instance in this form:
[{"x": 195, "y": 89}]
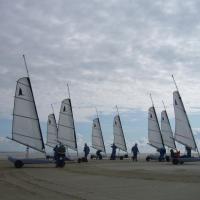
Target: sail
[
  {"x": 52, "y": 131},
  {"x": 97, "y": 137},
  {"x": 119, "y": 139},
  {"x": 166, "y": 130},
  {"x": 26, "y": 127},
  {"x": 154, "y": 133},
  {"x": 66, "y": 128},
  {"x": 183, "y": 131}
]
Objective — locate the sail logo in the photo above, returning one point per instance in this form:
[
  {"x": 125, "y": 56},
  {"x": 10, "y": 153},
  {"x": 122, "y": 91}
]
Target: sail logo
[
  {"x": 20, "y": 92},
  {"x": 151, "y": 116},
  {"x": 95, "y": 125},
  {"x": 64, "y": 109},
  {"x": 49, "y": 121},
  {"x": 176, "y": 102}
]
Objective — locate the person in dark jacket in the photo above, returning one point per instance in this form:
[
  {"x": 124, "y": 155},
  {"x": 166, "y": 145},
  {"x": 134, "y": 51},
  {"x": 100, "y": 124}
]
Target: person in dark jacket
[
  {"x": 113, "y": 154},
  {"x": 86, "y": 150},
  {"x": 188, "y": 150},
  {"x": 59, "y": 155},
  {"x": 55, "y": 149},
  {"x": 162, "y": 152},
  {"x": 135, "y": 152}
]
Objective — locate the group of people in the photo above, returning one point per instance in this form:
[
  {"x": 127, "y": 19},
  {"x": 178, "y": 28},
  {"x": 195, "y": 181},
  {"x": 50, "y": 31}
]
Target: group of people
[
  {"x": 60, "y": 150},
  {"x": 59, "y": 155},
  {"x": 134, "y": 150}
]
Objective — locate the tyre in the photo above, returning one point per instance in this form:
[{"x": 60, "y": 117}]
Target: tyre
[
  {"x": 167, "y": 158},
  {"x": 181, "y": 162},
  {"x": 147, "y": 158},
  {"x": 19, "y": 164},
  {"x": 121, "y": 158},
  {"x": 126, "y": 156},
  {"x": 175, "y": 161}
]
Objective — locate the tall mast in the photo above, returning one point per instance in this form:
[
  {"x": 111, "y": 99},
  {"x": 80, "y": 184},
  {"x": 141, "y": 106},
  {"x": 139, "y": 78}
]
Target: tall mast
[
  {"x": 68, "y": 90},
  {"x": 175, "y": 82},
  {"x": 25, "y": 65},
  {"x": 164, "y": 105},
  {"x": 117, "y": 109},
  {"x": 97, "y": 112},
  {"x": 151, "y": 99},
  {"x": 156, "y": 119},
  {"x": 73, "y": 117},
  {"x": 52, "y": 108}
]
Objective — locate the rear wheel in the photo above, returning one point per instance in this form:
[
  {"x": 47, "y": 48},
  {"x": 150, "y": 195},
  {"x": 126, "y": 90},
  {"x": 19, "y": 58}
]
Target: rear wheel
[
  {"x": 175, "y": 161},
  {"x": 167, "y": 158},
  {"x": 181, "y": 162},
  {"x": 19, "y": 164},
  {"x": 147, "y": 158}
]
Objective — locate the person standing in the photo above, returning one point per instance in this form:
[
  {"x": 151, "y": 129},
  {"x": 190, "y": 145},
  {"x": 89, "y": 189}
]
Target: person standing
[
  {"x": 113, "y": 154},
  {"x": 86, "y": 151},
  {"x": 188, "y": 150},
  {"x": 135, "y": 152}
]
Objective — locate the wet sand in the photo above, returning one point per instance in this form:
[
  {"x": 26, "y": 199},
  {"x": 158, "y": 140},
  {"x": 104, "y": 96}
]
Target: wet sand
[{"x": 98, "y": 180}]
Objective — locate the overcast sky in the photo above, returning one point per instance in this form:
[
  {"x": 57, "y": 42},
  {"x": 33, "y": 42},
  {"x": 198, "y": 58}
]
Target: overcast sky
[{"x": 111, "y": 52}]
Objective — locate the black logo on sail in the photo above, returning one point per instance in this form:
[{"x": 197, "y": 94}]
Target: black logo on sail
[{"x": 20, "y": 92}]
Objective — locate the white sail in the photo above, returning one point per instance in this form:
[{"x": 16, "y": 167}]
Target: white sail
[
  {"x": 183, "y": 131},
  {"x": 166, "y": 131},
  {"x": 154, "y": 132},
  {"x": 97, "y": 137},
  {"x": 118, "y": 133},
  {"x": 52, "y": 131},
  {"x": 26, "y": 127},
  {"x": 66, "y": 128}
]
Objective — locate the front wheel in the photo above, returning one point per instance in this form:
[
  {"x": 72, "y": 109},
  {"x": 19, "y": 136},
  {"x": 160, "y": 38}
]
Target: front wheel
[{"x": 19, "y": 164}]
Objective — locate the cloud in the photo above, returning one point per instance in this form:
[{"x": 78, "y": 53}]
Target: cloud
[{"x": 111, "y": 52}]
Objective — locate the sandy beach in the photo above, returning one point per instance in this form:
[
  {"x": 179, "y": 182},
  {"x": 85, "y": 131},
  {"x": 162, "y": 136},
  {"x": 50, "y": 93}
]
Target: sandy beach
[{"x": 101, "y": 180}]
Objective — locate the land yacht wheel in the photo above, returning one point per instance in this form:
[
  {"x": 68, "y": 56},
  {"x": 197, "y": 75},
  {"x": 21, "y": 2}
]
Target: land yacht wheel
[
  {"x": 19, "y": 164},
  {"x": 175, "y": 161},
  {"x": 147, "y": 158}
]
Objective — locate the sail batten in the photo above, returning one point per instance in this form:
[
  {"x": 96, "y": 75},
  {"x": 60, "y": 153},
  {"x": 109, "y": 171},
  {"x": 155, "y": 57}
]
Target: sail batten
[
  {"x": 119, "y": 139},
  {"x": 183, "y": 131},
  {"x": 26, "y": 126},
  {"x": 97, "y": 136},
  {"x": 66, "y": 127},
  {"x": 166, "y": 130},
  {"x": 154, "y": 132}
]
